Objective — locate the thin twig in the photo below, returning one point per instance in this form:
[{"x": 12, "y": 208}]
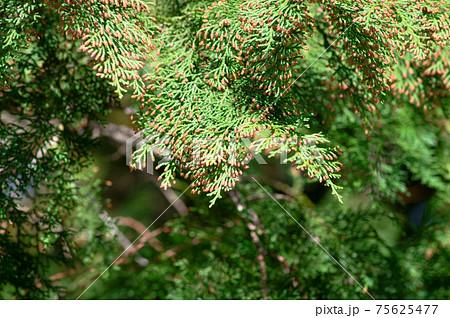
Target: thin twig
[
  {"x": 149, "y": 236},
  {"x": 253, "y": 225},
  {"x": 62, "y": 275},
  {"x": 288, "y": 270},
  {"x": 278, "y": 196},
  {"x": 121, "y": 238},
  {"x": 120, "y": 134}
]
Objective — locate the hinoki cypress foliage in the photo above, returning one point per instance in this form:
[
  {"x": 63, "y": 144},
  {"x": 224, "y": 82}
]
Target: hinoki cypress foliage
[
  {"x": 48, "y": 96},
  {"x": 216, "y": 84},
  {"x": 235, "y": 69}
]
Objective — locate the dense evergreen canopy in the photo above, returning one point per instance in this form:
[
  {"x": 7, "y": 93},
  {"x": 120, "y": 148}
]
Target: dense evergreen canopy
[{"x": 351, "y": 96}]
